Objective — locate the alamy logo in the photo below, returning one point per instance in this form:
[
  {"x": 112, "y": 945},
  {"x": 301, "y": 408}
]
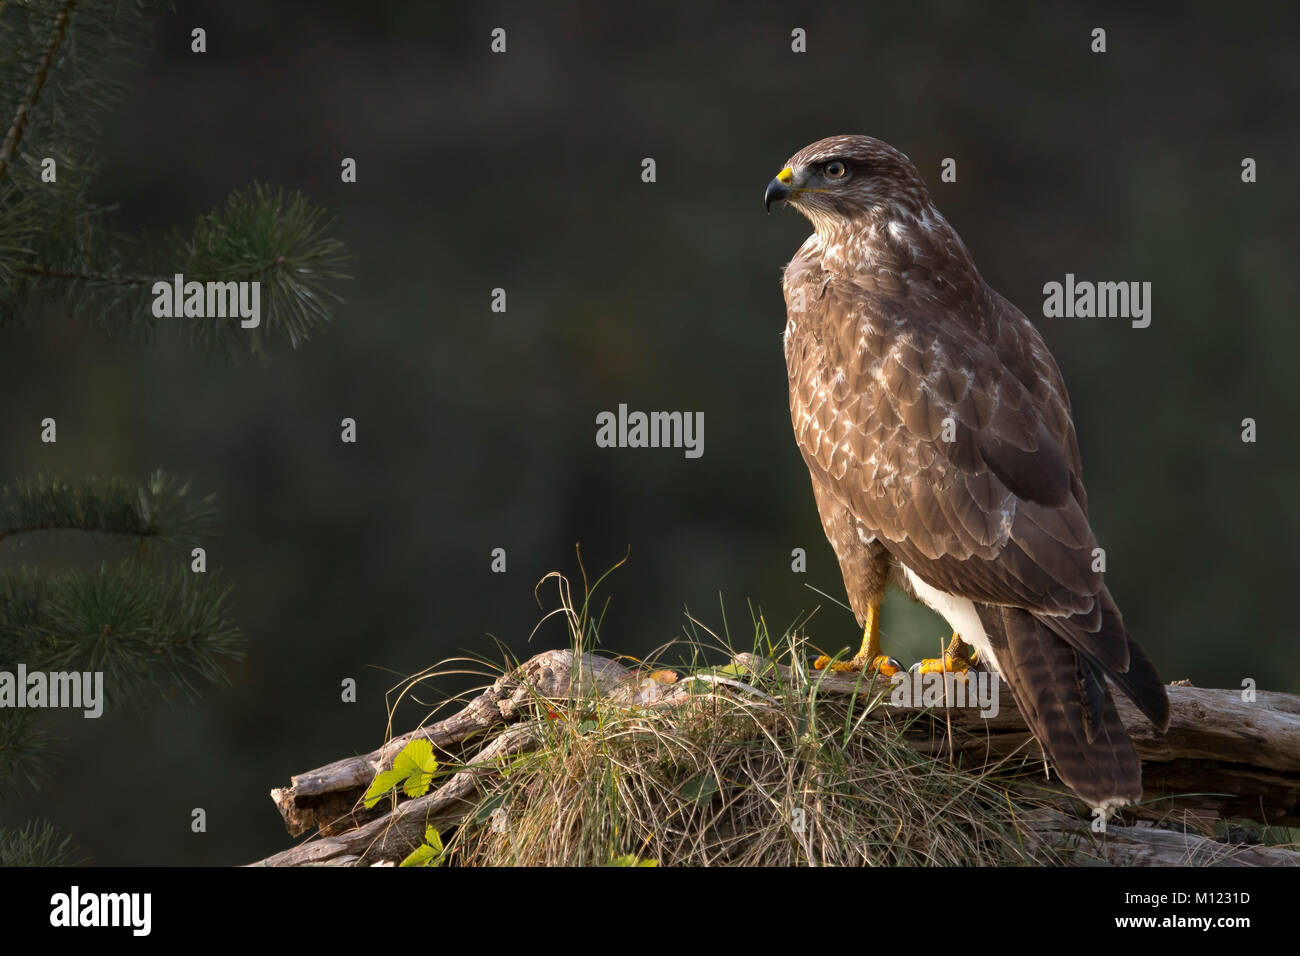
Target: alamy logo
[
  {"x": 972, "y": 689},
  {"x": 1102, "y": 300},
  {"x": 85, "y": 691},
  {"x": 76, "y": 908},
  {"x": 626, "y": 429},
  {"x": 198, "y": 300}
]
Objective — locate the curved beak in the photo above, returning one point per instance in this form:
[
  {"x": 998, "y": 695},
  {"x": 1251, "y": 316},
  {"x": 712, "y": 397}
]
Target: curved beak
[{"x": 777, "y": 191}]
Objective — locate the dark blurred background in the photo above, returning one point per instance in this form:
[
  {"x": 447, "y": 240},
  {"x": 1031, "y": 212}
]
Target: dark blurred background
[{"x": 476, "y": 429}]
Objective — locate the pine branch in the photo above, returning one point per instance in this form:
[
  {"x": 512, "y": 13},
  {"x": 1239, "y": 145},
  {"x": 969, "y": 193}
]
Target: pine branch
[
  {"x": 18, "y": 216},
  {"x": 61, "y": 68},
  {"x": 280, "y": 240},
  {"x": 25, "y": 750},
  {"x": 142, "y": 629},
  {"x": 161, "y": 509},
  {"x": 19, "y": 124},
  {"x": 54, "y": 236},
  {"x": 62, "y": 234},
  {"x": 36, "y": 844},
  {"x": 259, "y": 234},
  {"x": 59, "y": 103}
]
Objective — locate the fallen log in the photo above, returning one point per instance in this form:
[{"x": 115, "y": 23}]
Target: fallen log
[{"x": 1223, "y": 757}]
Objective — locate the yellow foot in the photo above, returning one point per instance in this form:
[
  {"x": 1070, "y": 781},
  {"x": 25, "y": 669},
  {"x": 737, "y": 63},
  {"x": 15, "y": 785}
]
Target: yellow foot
[
  {"x": 950, "y": 662},
  {"x": 882, "y": 664}
]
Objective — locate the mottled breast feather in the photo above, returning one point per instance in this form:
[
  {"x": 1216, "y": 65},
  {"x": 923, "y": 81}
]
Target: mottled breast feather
[{"x": 931, "y": 408}]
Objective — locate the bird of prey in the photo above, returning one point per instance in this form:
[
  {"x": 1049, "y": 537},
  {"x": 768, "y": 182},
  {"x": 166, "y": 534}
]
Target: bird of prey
[{"x": 937, "y": 430}]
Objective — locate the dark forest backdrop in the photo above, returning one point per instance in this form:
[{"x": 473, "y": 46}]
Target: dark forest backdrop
[{"x": 476, "y": 429}]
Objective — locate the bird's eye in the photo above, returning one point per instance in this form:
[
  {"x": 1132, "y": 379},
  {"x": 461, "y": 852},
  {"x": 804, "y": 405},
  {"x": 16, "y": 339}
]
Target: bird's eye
[{"x": 835, "y": 169}]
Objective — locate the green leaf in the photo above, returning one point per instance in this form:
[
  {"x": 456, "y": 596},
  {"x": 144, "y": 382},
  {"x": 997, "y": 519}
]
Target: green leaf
[
  {"x": 433, "y": 838},
  {"x": 725, "y": 670},
  {"x": 630, "y": 859},
  {"x": 430, "y": 853},
  {"x": 413, "y": 769},
  {"x": 700, "y": 790},
  {"x": 382, "y": 785},
  {"x": 417, "y": 764},
  {"x": 488, "y": 806},
  {"x": 422, "y": 855}
]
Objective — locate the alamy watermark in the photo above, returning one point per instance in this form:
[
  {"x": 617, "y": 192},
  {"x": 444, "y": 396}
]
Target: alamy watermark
[
  {"x": 53, "y": 689},
  {"x": 624, "y": 429},
  {"x": 198, "y": 300},
  {"x": 1081, "y": 299},
  {"x": 75, "y": 908},
  {"x": 975, "y": 689}
]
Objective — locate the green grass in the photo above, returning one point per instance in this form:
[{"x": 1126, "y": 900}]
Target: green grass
[
  {"x": 765, "y": 774},
  {"x": 727, "y": 780}
]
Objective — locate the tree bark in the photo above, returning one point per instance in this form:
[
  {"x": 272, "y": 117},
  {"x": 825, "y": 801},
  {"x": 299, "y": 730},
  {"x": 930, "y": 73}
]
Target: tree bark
[{"x": 1222, "y": 757}]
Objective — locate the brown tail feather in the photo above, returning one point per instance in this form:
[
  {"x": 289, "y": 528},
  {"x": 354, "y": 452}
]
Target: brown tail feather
[
  {"x": 1065, "y": 702},
  {"x": 1138, "y": 679}
]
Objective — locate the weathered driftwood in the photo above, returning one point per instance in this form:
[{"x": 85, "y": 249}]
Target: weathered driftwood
[
  {"x": 393, "y": 835},
  {"x": 1221, "y": 758},
  {"x": 1144, "y": 845},
  {"x": 326, "y": 798},
  {"x": 1225, "y": 757}
]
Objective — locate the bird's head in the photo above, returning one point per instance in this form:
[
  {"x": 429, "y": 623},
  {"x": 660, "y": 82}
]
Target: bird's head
[{"x": 845, "y": 180}]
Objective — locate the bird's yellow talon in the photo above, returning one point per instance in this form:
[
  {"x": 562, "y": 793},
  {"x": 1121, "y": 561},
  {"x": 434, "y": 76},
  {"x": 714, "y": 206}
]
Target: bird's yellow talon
[
  {"x": 956, "y": 660},
  {"x": 949, "y": 663},
  {"x": 881, "y": 664},
  {"x": 868, "y": 657}
]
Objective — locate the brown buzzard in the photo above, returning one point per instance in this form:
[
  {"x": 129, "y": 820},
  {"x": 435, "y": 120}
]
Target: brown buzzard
[{"x": 937, "y": 430}]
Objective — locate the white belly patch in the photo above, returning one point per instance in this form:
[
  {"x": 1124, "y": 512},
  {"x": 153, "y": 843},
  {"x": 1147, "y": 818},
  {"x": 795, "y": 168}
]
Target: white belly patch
[{"x": 960, "y": 614}]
